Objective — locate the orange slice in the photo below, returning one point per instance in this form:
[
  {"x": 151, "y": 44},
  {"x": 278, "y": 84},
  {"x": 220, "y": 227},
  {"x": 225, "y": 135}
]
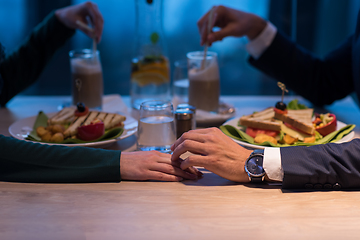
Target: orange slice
[{"x": 149, "y": 77}]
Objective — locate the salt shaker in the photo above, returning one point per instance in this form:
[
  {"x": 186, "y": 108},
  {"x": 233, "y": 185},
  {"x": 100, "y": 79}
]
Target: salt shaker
[{"x": 183, "y": 121}]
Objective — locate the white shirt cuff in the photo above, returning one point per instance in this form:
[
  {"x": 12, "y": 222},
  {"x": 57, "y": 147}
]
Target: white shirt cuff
[
  {"x": 257, "y": 46},
  {"x": 272, "y": 164}
]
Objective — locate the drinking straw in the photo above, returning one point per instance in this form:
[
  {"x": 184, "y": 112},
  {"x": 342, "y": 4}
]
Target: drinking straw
[
  {"x": 80, "y": 23},
  {"x": 208, "y": 31}
]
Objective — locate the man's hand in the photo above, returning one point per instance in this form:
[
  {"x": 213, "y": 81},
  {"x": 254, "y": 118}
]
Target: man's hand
[
  {"x": 232, "y": 23},
  {"x": 153, "y": 165},
  {"x": 80, "y": 12},
  {"x": 213, "y": 150}
]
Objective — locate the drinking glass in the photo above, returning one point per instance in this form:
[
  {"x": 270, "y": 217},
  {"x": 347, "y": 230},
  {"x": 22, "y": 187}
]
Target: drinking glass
[
  {"x": 180, "y": 83},
  {"x": 87, "y": 79},
  {"x": 204, "y": 81},
  {"x": 156, "y": 128}
]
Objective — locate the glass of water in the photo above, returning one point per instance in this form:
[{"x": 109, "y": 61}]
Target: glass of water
[
  {"x": 180, "y": 83},
  {"x": 156, "y": 128}
]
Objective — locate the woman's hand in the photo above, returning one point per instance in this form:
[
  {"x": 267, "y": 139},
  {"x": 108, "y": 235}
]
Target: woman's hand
[
  {"x": 214, "y": 151},
  {"x": 153, "y": 165},
  {"x": 80, "y": 12},
  {"x": 232, "y": 23}
]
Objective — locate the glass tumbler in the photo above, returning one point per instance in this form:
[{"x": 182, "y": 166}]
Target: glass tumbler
[
  {"x": 156, "y": 128},
  {"x": 87, "y": 78},
  {"x": 180, "y": 83},
  {"x": 204, "y": 81}
]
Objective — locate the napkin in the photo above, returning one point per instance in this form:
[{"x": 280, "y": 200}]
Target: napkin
[
  {"x": 204, "y": 116},
  {"x": 239, "y": 135},
  {"x": 41, "y": 120},
  {"x": 113, "y": 103}
]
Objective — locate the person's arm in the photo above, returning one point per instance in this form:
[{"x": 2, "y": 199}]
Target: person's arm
[
  {"x": 327, "y": 166},
  {"x": 21, "y": 68},
  {"x": 322, "y": 81},
  {"x": 22, "y": 161},
  {"x": 258, "y": 45}
]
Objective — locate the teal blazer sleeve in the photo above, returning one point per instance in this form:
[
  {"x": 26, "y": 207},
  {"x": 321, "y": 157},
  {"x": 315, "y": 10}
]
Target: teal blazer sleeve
[
  {"x": 23, "y": 161},
  {"x": 22, "y": 67}
]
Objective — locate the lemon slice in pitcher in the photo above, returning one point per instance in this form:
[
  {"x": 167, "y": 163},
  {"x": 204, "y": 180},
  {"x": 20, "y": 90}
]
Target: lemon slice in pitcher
[{"x": 149, "y": 77}]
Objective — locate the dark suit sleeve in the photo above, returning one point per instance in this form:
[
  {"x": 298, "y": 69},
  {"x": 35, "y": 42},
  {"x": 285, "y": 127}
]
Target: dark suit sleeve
[
  {"x": 23, "y": 67},
  {"x": 322, "y": 166},
  {"x": 22, "y": 161},
  {"x": 322, "y": 81}
]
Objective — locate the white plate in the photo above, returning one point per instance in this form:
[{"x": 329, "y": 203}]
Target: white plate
[
  {"x": 21, "y": 129},
  {"x": 204, "y": 117},
  {"x": 234, "y": 123}
]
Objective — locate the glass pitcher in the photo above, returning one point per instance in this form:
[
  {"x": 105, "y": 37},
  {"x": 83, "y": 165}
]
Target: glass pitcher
[{"x": 150, "y": 73}]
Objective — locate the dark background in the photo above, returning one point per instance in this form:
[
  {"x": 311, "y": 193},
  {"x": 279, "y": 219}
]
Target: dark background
[{"x": 319, "y": 26}]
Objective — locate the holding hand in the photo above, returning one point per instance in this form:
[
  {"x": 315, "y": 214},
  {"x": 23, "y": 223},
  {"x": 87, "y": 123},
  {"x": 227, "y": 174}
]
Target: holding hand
[
  {"x": 154, "y": 165},
  {"x": 214, "y": 151},
  {"x": 69, "y": 15},
  {"x": 232, "y": 23}
]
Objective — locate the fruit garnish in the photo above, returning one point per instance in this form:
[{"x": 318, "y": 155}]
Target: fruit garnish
[
  {"x": 92, "y": 131},
  {"x": 281, "y": 105},
  {"x": 81, "y": 109},
  {"x": 279, "y": 111},
  {"x": 153, "y": 72}
]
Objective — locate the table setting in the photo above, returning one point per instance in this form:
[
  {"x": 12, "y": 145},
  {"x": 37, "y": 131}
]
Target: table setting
[
  {"x": 208, "y": 206},
  {"x": 159, "y": 107}
]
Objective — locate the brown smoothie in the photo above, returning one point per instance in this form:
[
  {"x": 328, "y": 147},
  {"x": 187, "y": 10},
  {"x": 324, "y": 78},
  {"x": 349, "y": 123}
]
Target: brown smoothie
[
  {"x": 204, "y": 87},
  {"x": 87, "y": 82},
  {"x": 204, "y": 94}
]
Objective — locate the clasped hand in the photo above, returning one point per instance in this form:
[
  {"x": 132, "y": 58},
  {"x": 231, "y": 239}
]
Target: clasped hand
[{"x": 214, "y": 151}]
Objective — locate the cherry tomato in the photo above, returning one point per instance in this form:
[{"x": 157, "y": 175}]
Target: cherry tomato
[
  {"x": 91, "y": 132},
  {"x": 252, "y": 132},
  {"x": 280, "y": 111},
  {"x": 79, "y": 114}
]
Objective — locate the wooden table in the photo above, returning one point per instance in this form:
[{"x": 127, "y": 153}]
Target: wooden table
[{"x": 210, "y": 208}]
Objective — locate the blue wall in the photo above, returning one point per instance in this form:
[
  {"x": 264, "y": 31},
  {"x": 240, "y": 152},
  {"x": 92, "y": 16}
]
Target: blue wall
[{"x": 333, "y": 20}]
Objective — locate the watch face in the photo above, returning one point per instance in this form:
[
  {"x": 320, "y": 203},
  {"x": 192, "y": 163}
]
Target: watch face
[{"x": 254, "y": 165}]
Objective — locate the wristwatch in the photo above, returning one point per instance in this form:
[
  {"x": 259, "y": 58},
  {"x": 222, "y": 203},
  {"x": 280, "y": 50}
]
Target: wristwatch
[{"x": 254, "y": 166}]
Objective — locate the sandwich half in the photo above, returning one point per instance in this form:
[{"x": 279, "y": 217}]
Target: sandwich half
[
  {"x": 110, "y": 120},
  {"x": 300, "y": 119},
  {"x": 262, "y": 120}
]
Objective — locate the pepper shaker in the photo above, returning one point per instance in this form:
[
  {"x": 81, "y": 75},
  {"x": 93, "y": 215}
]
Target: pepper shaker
[
  {"x": 191, "y": 108},
  {"x": 183, "y": 121}
]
